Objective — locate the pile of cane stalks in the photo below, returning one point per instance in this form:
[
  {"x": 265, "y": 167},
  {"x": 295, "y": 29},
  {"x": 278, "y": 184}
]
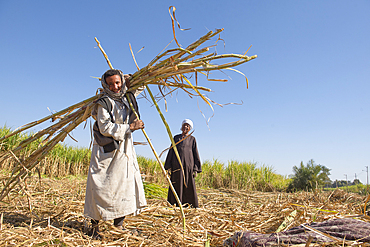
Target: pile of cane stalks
[{"x": 49, "y": 212}]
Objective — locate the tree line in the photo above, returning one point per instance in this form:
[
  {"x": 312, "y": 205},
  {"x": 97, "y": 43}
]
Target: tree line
[{"x": 312, "y": 176}]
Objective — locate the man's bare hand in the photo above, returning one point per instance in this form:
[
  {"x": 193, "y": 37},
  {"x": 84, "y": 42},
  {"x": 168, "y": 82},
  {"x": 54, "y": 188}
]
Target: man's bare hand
[
  {"x": 127, "y": 78},
  {"x": 137, "y": 124}
]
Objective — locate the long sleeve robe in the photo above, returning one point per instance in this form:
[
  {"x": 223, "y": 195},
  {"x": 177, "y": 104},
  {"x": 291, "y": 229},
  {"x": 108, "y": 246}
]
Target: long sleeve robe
[
  {"x": 114, "y": 186},
  {"x": 190, "y": 160}
]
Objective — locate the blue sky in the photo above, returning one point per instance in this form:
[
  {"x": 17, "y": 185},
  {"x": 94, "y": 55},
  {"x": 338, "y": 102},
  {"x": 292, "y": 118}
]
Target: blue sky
[{"x": 308, "y": 95}]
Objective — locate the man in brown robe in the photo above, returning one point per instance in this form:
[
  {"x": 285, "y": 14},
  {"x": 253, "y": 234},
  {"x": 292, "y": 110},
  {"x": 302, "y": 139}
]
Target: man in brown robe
[{"x": 190, "y": 160}]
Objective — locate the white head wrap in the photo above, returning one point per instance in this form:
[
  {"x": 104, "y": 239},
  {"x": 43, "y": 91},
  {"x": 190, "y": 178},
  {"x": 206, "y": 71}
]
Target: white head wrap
[{"x": 188, "y": 121}]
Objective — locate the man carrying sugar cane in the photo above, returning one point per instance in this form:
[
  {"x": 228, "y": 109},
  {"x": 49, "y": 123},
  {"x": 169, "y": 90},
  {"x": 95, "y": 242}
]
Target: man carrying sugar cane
[
  {"x": 189, "y": 156},
  {"x": 114, "y": 187}
]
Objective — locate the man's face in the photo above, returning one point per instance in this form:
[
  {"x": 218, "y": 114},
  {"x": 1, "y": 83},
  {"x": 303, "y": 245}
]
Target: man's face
[
  {"x": 185, "y": 128},
  {"x": 114, "y": 82}
]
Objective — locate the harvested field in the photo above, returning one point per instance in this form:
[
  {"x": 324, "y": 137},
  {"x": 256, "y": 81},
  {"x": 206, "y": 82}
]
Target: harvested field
[{"x": 49, "y": 212}]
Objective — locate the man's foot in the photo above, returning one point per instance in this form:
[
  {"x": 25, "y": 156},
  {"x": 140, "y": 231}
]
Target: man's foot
[{"x": 94, "y": 233}]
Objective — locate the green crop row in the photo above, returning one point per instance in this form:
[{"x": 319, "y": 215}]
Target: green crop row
[{"x": 65, "y": 160}]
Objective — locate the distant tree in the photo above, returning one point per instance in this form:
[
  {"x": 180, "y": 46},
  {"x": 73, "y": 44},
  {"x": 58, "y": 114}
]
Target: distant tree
[
  {"x": 343, "y": 183},
  {"x": 356, "y": 182},
  {"x": 309, "y": 177},
  {"x": 340, "y": 183}
]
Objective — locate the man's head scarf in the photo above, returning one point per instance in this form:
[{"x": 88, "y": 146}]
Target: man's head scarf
[
  {"x": 188, "y": 121},
  {"x": 113, "y": 95}
]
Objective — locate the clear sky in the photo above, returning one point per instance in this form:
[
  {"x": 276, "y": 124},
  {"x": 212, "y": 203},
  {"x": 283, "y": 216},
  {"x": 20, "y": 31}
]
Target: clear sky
[{"x": 308, "y": 95}]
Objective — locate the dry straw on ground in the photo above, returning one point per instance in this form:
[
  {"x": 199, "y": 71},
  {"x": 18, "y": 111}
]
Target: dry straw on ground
[{"x": 49, "y": 212}]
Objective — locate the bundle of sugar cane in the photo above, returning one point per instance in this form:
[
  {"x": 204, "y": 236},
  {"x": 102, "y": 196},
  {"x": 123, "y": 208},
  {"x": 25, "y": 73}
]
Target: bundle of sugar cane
[
  {"x": 169, "y": 69},
  {"x": 172, "y": 69},
  {"x": 69, "y": 119}
]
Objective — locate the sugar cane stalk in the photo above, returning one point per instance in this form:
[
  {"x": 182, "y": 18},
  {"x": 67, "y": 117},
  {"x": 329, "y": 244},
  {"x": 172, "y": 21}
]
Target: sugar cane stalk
[
  {"x": 66, "y": 110},
  {"x": 162, "y": 168},
  {"x": 169, "y": 133}
]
